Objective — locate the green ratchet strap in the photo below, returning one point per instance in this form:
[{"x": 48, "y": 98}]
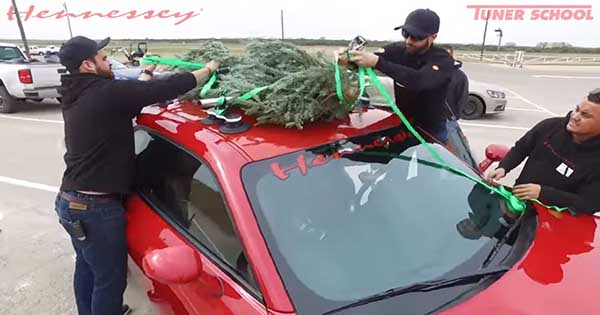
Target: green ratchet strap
[
  {"x": 173, "y": 62},
  {"x": 253, "y": 92},
  {"x": 361, "y": 83},
  {"x": 514, "y": 204},
  {"x": 555, "y": 208},
  {"x": 208, "y": 85},
  {"x": 339, "y": 89},
  {"x": 338, "y": 83}
]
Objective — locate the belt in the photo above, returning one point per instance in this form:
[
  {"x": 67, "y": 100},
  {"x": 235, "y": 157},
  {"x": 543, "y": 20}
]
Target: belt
[{"x": 95, "y": 198}]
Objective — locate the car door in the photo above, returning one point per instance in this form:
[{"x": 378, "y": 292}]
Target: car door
[{"x": 181, "y": 235}]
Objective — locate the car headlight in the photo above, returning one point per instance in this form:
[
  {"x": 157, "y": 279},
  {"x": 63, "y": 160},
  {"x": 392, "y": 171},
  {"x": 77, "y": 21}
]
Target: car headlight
[{"x": 496, "y": 94}]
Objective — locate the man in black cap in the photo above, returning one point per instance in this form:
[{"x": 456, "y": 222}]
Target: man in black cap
[
  {"x": 98, "y": 113},
  {"x": 421, "y": 71}
]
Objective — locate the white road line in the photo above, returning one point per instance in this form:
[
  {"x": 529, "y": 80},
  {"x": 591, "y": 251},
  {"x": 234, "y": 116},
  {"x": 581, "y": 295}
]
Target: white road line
[
  {"x": 493, "y": 126},
  {"x": 525, "y": 109},
  {"x": 564, "y": 77},
  {"x": 542, "y": 108},
  {"x": 27, "y": 184},
  {"x": 31, "y": 119}
]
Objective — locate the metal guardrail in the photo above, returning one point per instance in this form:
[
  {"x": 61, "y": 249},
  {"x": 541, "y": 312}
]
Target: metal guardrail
[{"x": 519, "y": 58}]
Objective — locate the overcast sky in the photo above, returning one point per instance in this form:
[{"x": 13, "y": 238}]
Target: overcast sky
[{"x": 331, "y": 19}]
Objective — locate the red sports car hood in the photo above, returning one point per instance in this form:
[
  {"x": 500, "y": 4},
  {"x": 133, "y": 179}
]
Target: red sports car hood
[{"x": 559, "y": 275}]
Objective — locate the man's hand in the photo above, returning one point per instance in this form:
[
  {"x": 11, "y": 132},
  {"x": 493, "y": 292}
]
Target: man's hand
[
  {"x": 527, "y": 191},
  {"x": 343, "y": 59},
  {"x": 363, "y": 58},
  {"x": 212, "y": 66},
  {"x": 144, "y": 76},
  {"x": 203, "y": 74},
  {"x": 496, "y": 175}
]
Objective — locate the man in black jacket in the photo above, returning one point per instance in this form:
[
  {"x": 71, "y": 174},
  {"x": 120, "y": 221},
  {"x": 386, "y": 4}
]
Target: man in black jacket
[
  {"x": 421, "y": 71},
  {"x": 98, "y": 115},
  {"x": 563, "y": 168}
]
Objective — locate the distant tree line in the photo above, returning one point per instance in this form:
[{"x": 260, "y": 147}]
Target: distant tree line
[{"x": 542, "y": 47}]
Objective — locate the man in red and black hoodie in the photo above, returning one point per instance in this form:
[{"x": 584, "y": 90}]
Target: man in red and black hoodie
[{"x": 563, "y": 168}]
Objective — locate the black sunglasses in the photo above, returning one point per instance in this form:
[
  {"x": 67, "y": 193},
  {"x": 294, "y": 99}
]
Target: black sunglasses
[{"x": 406, "y": 35}]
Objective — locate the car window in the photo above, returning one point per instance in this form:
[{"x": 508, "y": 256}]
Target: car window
[
  {"x": 10, "y": 53},
  {"x": 179, "y": 185}
]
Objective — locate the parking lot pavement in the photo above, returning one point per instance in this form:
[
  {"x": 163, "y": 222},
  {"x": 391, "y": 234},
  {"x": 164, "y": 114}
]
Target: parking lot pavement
[{"x": 36, "y": 258}]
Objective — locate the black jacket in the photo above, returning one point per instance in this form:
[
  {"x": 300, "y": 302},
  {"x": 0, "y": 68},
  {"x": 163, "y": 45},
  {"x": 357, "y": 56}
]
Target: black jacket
[
  {"x": 569, "y": 173},
  {"x": 98, "y": 115},
  {"x": 458, "y": 91},
  {"x": 420, "y": 83}
]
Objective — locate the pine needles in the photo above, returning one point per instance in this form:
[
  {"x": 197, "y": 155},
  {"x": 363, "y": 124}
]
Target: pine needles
[{"x": 301, "y": 86}]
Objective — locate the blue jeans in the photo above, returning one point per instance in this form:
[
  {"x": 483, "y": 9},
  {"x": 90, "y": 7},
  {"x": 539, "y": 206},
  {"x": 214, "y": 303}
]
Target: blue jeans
[
  {"x": 441, "y": 134},
  {"x": 101, "y": 262}
]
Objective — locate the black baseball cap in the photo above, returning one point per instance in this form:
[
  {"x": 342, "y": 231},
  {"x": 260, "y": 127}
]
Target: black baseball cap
[
  {"x": 421, "y": 23},
  {"x": 79, "y": 48},
  {"x": 594, "y": 96}
]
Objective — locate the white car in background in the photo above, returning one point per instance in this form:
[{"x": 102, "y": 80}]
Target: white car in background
[
  {"x": 484, "y": 98},
  {"x": 48, "y": 50}
]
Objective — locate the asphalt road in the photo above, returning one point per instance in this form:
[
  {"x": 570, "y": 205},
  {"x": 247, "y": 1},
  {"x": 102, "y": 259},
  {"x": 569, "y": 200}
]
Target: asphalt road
[{"x": 36, "y": 258}]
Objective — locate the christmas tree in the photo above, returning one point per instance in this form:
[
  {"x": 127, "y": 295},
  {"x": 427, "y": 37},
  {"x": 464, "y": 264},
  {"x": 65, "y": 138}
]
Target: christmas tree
[{"x": 301, "y": 87}]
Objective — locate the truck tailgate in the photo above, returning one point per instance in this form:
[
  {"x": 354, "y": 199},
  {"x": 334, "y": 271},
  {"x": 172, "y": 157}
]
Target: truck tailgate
[{"x": 46, "y": 75}]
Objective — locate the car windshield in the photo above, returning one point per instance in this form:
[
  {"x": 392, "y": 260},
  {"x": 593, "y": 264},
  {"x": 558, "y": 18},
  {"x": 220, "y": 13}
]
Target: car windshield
[
  {"x": 360, "y": 216},
  {"x": 11, "y": 54}
]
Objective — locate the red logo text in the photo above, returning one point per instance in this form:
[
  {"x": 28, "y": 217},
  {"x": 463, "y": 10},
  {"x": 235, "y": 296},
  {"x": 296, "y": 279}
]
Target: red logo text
[
  {"x": 532, "y": 12},
  {"x": 34, "y": 13}
]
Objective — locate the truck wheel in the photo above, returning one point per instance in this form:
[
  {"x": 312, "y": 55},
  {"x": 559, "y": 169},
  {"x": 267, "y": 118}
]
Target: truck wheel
[
  {"x": 7, "y": 103},
  {"x": 473, "y": 109}
]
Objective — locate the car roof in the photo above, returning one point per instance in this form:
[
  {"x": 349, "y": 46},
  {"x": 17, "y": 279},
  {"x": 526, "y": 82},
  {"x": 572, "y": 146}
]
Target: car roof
[
  {"x": 8, "y": 45},
  {"x": 267, "y": 141}
]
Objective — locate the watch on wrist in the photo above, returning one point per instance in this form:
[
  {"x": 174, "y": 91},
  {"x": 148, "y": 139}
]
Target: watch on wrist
[{"x": 148, "y": 72}]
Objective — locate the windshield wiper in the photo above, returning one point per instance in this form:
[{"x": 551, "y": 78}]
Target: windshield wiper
[
  {"x": 425, "y": 287},
  {"x": 496, "y": 249}
]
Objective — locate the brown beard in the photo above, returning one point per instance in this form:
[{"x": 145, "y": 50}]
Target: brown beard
[
  {"x": 420, "y": 51},
  {"x": 106, "y": 74}
]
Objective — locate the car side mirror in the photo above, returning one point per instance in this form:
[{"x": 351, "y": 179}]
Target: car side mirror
[
  {"x": 493, "y": 153},
  {"x": 173, "y": 265}
]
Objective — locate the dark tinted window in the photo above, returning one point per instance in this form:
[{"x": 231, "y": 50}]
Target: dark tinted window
[
  {"x": 185, "y": 189},
  {"x": 10, "y": 54}
]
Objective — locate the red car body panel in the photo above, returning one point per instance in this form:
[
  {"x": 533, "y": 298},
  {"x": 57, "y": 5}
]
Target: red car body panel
[{"x": 559, "y": 274}]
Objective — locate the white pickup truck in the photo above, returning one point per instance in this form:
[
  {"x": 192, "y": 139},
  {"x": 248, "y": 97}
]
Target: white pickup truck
[{"x": 22, "y": 78}]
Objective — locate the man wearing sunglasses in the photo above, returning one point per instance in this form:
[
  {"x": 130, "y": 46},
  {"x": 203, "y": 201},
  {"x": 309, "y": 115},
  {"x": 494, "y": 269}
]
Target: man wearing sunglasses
[{"x": 420, "y": 70}]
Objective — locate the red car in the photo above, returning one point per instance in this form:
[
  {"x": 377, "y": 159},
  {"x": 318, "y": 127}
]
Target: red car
[{"x": 343, "y": 217}]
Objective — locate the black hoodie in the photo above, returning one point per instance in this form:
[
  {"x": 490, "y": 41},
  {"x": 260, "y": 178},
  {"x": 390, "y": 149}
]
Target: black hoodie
[
  {"x": 568, "y": 172},
  {"x": 98, "y": 115},
  {"x": 420, "y": 82}
]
